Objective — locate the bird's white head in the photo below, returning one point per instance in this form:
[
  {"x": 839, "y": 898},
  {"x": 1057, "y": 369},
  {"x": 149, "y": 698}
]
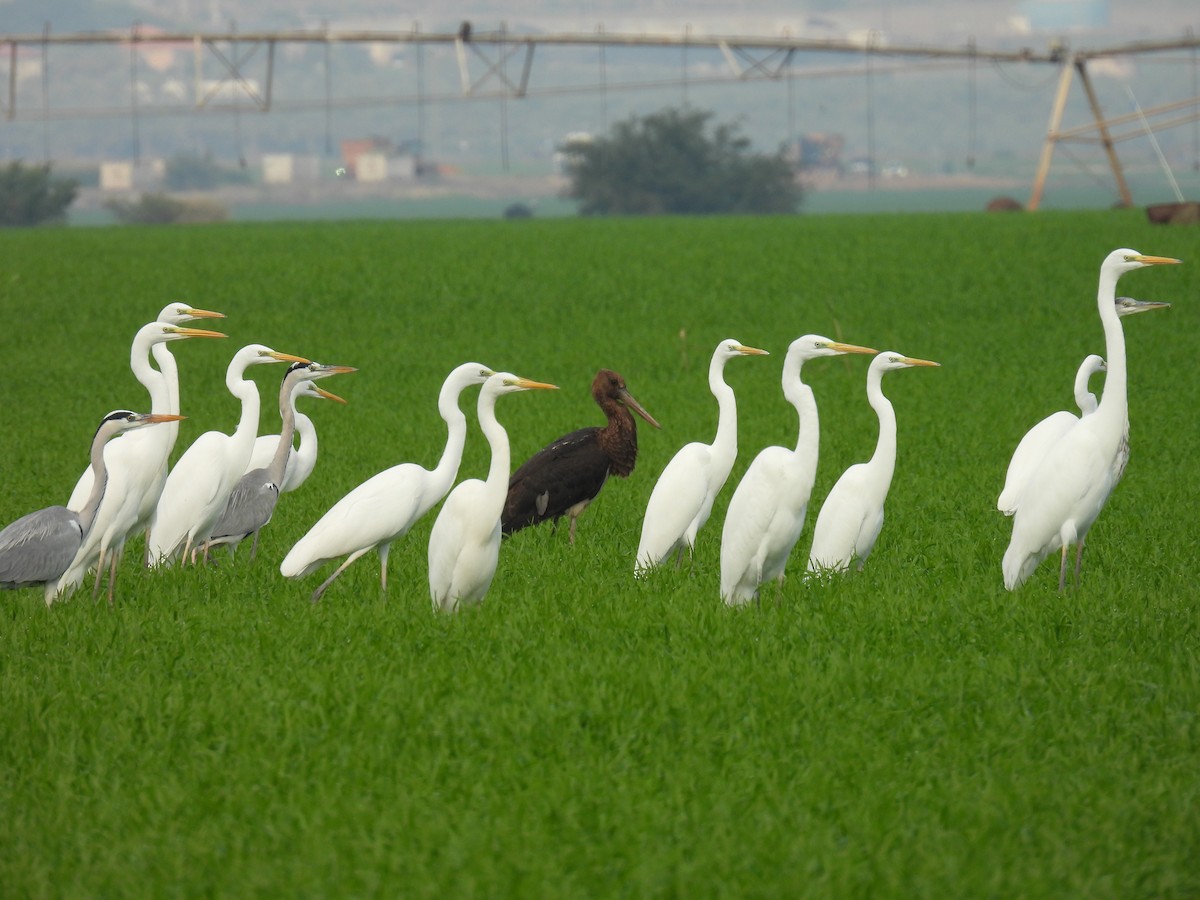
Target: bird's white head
[
  {"x": 812, "y": 346},
  {"x": 178, "y": 313},
  {"x": 470, "y": 373},
  {"x": 1126, "y": 260},
  {"x": 730, "y": 347},
  {"x": 889, "y": 360},
  {"x": 507, "y": 383},
  {"x": 257, "y": 354}
]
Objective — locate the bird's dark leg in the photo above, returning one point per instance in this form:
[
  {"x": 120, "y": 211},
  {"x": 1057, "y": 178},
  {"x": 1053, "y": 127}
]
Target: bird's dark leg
[
  {"x": 254, "y": 546},
  {"x": 112, "y": 577},
  {"x": 99, "y": 573},
  {"x": 383, "y": 557},
  {"x": 1062, "y": 568}
]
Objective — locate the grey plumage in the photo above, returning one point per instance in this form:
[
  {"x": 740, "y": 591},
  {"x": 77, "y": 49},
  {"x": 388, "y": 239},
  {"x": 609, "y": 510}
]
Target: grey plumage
[{"x": 40, "y": 546}]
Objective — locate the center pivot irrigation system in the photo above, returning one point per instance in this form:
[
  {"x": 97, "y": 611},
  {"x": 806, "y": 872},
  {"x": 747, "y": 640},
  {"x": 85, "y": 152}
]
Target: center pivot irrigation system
[{"x": 499, "y": 64}]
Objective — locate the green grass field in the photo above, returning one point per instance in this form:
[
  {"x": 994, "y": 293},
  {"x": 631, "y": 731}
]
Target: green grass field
[{"x": 913, "y": 729}]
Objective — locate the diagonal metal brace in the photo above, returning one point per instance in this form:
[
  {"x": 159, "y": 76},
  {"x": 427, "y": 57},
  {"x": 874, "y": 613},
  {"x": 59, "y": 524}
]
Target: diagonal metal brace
[
  {"x": 241, "y": 53},
  {"x": 495, "y": 67}
]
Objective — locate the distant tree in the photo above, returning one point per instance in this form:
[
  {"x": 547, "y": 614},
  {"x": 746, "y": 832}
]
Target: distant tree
[
  {"x": 161, "y": 209},
  {"x": 669, "y": 162},
  {"x": 30, "y": 195}
]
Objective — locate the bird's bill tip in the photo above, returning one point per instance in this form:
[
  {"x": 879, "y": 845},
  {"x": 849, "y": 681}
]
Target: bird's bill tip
[
  {"x": 1158, "y": 260},
  {"x": 321, "y": 392},
  {"x": 337, "y": 370},
  {"x": 203, "y": 313},
  {"x": 851, "y": 348},
  {"x": 156, "y": 418},
  {"x": 912, "y": 361},
  {"x": 751, "y": 351},
  {"x": 286, "y": 357},
  {"x": 628, "y": 399},
  {"x": 1130, "y": 306}
]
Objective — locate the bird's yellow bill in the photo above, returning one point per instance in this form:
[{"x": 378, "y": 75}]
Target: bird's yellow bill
[
  {"x": 286, "y": 357},
  {"x": 337, "y": 370},
  {"x": 198, "y": 332},
  {"x": 850, "y": 348},
  {"x": 155, "y": 418},
  {"x": 328, "y": 396},
  {"x": 1158, "y": 260},
  {"x": 751, "y": 351},
  {"x": 920, "y": 362},
  {"x": 203, "y": 314},
  {"x": 528, "y": 385}
]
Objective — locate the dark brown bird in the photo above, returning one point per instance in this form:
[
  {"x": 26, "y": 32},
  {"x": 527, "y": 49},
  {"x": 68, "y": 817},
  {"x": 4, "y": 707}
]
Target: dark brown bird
[{"x": 563, "y": 478}]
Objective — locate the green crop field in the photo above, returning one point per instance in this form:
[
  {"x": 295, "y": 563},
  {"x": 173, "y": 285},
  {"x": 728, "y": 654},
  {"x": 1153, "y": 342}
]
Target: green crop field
[{"x": 909, "y": 730}]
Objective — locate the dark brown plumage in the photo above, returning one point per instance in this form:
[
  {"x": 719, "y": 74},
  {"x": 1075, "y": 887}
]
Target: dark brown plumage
[{"x": 564, "y": 477}]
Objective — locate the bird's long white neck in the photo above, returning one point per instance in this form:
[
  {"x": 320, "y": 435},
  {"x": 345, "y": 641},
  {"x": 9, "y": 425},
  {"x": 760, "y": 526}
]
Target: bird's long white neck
[
  {"x": 724, "y": 444},
  {"x": 1114, "y": 403},
  {"x": 800, "y": 395},
  {"x": 304, "y": 457},
  {"x": 151, "y": 379},
  {"x": 882, "y": 464},
  {"x": 287, "y": 412},
  {"x": 169, "y": 375},
  {"x": 497, "y": 438},
  {"x": 247, "y": 427},
  {"x": 446, "y": 469}
]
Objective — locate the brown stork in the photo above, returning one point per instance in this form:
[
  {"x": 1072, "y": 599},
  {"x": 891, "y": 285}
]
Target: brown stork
[{"x": 564, "y": 477}]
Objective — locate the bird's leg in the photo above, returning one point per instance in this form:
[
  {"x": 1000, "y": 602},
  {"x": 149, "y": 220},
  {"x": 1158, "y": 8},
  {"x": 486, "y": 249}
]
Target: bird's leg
[
  {"x": 112, "y": 577},
  {"x": 187, "y": 552},
  {"x": 383, "y": 557},
  {"x": 1062, "y": 568},
  {"x": 99, "y": 572},
  {"x": 316, "y": 595},
  {"x": 572, "y": 531},
  {"x": 254, "y": 547},
  {"x": 1078, "y": 561}
]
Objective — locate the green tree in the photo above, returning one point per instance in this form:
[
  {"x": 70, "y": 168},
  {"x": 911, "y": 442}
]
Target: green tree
[
  {"x": 669, "y": 162},
  {"x": 30, "y": 195}
]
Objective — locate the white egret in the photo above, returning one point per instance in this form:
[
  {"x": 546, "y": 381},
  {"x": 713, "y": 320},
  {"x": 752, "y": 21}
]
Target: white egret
[
  {"x": 766, "y": 513},
  {"x": 464, "y": 545},
  {"x": 852, "y": 515},
  {"x": 1037, "y": 439},
  {"x": 564, "y": 477},
  {"x": 385, "y": 506},
  {"x": 1033, "y": 445},
  {"x": 198, "y": 486},
  {"x": 38, "y": 547},
  {"x": 137, "y": 461},
  {"x": 253, "y": 499},
  {"x": 1064, "y": 495},
  {"x": 683, "y": 496}
]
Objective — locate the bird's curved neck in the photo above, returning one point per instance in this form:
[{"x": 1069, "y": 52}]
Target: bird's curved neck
[
  {"x": 287, "y": 412},
  {"x": 883, "y": 461},
  {"x": 99, "y": 480},
  {"x": 446, "y": 469},
  {"x": 150, "y": 378},
  {"x": 726, "y": 440},
  {"x": 497, "y": 438},
  {"x": 246, "y": 391},
  {"x": 800, "y": 395},
  {"x": 1114, "y": 403},
  {"x": 170, "y": 379}
]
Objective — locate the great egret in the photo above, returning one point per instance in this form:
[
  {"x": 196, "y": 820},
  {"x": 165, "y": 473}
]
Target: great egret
[
  {"x": 37, "y": 548},
  {"x": 137, "y": 461},
  {"x": 766, "y": 512},
  {"x": 199, "y": 484},
  {"x": 683, "y": 496},
  {"x": 386, "y": 505},
  {"x": 852, "y": 515},
  {"x": 1064, "y": 494},
  {"x": 464, "y": 545},
  {"x": 252, "y": 501},
  {"x": 1033, "y": 445},
  {"x": 565, "y": 476}
]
